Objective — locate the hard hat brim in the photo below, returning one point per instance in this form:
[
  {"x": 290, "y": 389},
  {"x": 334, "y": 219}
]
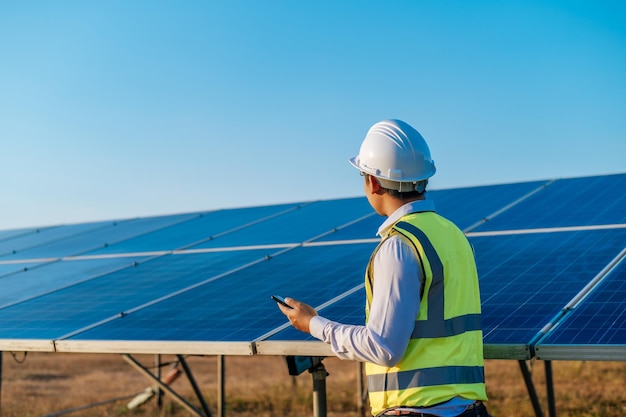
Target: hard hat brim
[{"x": 354, "y": 161}]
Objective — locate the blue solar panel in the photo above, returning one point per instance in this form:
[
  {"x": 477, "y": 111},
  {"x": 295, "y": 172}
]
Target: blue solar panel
[
  {"x": 9, "y": 234},
  {"x": 601, "y": 317},
  {"x": 296, "y": 226},
  {"x": 526, "y": 279},
  {"x": 238, "y": 308},
  {"x": 36, "y": 280},
  {"x": 208, "y": 276},
  {"x": 45, "y": 235},
  {"x": 347, "y": 310},
  {"x": 465, "y": 207},
  {"x": 81, "y": 305},
  {"x": 365, "y": 228},
  {"x": 566, "y": 203},
  {"x": 202, "y": 227},
  {"x": 97, "y": 238},
  {"x": 11, "y": 268}
]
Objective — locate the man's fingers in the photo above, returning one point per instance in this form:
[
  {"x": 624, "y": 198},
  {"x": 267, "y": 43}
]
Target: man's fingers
[{"x": 284, "y": 309}]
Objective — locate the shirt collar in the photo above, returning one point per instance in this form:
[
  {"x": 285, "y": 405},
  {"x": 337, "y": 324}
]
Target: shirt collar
[{"x": 408, "y": 208}]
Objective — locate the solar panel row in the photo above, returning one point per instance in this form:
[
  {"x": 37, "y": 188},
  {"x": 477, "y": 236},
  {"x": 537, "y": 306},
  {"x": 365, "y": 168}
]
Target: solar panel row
[{"x": 200, "y": 282}]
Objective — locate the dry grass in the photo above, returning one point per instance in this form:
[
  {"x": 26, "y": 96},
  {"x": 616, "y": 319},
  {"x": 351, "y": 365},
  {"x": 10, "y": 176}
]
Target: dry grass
[{"x": 260, "y": 386}]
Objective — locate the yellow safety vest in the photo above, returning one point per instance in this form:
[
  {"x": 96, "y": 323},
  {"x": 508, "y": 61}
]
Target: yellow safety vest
[{"x": 444, "y": 358}]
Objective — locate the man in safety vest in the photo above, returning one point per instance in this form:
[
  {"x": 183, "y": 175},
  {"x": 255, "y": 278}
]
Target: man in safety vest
[{"x": 422, "y": 342}]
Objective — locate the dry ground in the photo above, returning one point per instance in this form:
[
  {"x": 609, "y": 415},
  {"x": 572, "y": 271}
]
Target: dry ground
[{"x": 44, "y": 384}]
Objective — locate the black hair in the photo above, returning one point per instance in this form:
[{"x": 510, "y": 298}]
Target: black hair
[{"x": 405, "y": 195}]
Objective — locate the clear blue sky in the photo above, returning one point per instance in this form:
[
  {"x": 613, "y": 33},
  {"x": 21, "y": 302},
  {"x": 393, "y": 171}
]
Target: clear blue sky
[{"x": 120, "y": 109}]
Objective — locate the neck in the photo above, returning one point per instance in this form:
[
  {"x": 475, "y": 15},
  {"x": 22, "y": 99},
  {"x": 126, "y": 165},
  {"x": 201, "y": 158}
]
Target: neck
[{"x": 391, "y": 204}]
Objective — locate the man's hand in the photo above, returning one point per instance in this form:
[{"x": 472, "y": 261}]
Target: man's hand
[{"x": 300, "y": 315}]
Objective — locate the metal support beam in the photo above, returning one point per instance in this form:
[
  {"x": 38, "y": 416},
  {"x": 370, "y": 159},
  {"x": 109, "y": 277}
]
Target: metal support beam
[
  {"x": 194, "y": 385},
  {"x": 550, "y": 389},
  {"x": 532, "y": 392},
  {"x": 138, "y": 366},
  {"x": 319, "y": 389}
]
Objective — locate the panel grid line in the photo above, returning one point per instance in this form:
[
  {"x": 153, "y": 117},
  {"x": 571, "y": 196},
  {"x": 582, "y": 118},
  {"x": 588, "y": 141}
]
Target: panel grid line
[{"x": 508, "y": 206}]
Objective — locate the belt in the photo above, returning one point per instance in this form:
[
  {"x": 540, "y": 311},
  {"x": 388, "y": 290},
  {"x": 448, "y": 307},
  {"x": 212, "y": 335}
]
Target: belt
[
  {"x": 413, "y": 412},
  {"x": 399, "y": 412}
]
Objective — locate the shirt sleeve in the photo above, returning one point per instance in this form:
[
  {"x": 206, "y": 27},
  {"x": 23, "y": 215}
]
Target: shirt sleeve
[{"x": 394, "y": 308}]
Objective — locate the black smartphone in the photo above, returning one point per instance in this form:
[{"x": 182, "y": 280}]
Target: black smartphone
[{"x": 280, "y": 300}]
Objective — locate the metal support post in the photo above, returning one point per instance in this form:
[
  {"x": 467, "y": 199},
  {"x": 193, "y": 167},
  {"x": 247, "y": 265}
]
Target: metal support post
[
  {"x": 550, "y": 389},
  {"x": 361, "y": 391},
  {"x": 319, "y": 389},
  {"x": 531, "y": 388},
  {"x": 221, "y": 373}
]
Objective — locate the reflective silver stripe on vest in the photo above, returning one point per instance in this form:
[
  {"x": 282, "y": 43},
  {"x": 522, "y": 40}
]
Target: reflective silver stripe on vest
[
  {"x": 436, "y": 325},
  {"x": 426, "y": 377}
]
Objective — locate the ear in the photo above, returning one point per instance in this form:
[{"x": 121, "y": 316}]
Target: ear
[{"x": 374, "y": 185}]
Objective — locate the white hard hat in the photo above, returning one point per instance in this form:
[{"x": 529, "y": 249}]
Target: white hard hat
[{"x": 397, "y": 155}]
